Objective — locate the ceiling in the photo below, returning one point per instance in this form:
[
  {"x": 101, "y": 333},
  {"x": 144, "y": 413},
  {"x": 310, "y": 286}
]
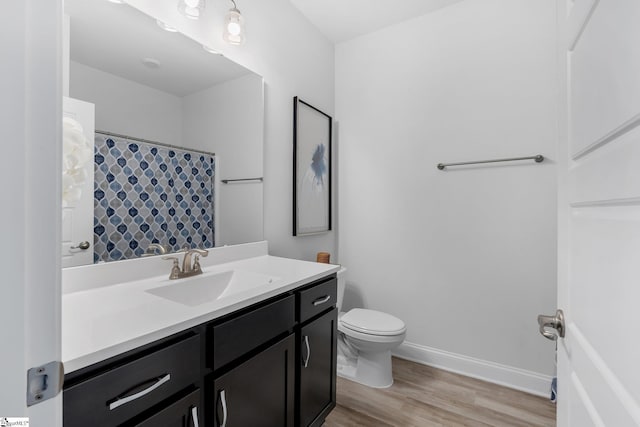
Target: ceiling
[
  {"x": 115, "y": 38},
  {"x": 341, "y": 20}
]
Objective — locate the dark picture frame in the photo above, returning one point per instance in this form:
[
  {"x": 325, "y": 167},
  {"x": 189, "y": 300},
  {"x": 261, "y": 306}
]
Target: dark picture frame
[{"x": 312, "y": 140}]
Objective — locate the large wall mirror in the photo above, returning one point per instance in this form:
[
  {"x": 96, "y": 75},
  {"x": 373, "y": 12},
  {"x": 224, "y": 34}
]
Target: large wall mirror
[{"x": 176, "y": 133}]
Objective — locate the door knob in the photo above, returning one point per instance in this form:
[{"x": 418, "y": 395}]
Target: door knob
[
  {"x": 82, "y": 245},
  {"x": 553, "y": 322}
]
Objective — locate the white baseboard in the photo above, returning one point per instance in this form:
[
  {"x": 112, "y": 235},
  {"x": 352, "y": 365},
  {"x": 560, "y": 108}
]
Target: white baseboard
[{"x": 508, "y": 376}]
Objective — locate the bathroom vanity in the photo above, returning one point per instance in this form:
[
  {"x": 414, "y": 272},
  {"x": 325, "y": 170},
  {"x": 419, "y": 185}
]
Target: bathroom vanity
[{"x": 264, "y": 356}]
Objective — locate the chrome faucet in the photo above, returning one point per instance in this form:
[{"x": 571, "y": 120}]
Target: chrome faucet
[{"x": 188, "y": 268}]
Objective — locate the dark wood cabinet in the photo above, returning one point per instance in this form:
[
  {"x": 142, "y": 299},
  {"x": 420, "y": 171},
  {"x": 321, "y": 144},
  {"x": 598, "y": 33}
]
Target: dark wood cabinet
[
  {"x": 317, "y": 369},
  {"x": 240, "y": 334},
  {"x": 186, "y": 412},
  {"x": 269, "y": 364},
  {"x": 123, "y": 390},
  {"x": 316, "y": 299},
  {"x": 260, "y": 392}
]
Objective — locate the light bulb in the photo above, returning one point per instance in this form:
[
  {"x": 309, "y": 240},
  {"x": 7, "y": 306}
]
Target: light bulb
[
  {"x": 191, "y": 9},
  {"x": 234, "y": 32},
  {"x": 234, "y": 28}
]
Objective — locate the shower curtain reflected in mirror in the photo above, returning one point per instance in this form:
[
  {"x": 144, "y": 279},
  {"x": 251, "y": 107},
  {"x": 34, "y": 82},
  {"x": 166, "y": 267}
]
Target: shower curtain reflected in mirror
[{"x": 150, "y": 194}]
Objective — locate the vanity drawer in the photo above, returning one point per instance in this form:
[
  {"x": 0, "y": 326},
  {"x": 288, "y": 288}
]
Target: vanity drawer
[
  {"x": 186, "y": 412},
  {"x": 239, "y": 335},
  {"x": 119, "y": 394},
  {"x": 318, "y": 298}
]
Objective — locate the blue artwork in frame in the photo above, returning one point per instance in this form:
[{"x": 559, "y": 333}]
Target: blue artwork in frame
[{"x": 312, "y": 131}]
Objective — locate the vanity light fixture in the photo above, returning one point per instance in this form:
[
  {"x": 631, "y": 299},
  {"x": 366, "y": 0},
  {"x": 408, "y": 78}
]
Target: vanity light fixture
[
  {"x": 166, "y": 27},
  {"x": 233, "y": 32},
  {"x": 191, "y": 9}
]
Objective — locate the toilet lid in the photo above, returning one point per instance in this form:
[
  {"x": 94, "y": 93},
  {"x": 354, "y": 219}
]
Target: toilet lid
[{"x": 372, "y": 322}]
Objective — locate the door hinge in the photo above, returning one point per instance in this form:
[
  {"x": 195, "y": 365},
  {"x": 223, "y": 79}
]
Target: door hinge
[{"x": 44, "y": 382}]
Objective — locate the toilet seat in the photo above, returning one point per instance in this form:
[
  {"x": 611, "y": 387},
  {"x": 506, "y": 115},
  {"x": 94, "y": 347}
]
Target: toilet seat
[{"x": 372, "y": 322}]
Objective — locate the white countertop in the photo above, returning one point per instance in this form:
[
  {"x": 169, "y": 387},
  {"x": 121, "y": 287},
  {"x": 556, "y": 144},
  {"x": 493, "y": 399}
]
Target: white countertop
[{"x": 102, "y": 322}]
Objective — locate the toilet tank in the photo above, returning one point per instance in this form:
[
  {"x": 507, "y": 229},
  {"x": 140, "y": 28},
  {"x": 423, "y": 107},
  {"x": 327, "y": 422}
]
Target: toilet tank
[{"x": 342, "y": 281}]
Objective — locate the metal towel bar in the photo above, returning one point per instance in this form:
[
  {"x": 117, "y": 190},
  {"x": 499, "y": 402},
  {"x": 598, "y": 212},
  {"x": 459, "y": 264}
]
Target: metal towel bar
[
  {"x": 538, "y": 158},
  {"x": 226, "y": 181}
]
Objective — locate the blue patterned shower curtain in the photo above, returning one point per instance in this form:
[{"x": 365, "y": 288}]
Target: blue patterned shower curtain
[{"x": 145, "y": 193}]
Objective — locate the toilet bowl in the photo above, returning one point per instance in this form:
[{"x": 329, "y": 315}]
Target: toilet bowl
[{"x": 366, "y": 338}]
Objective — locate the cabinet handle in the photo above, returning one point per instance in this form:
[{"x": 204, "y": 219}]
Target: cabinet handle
[
  {"x": 321, "y": 300},
  {"x": 306, "y": 343},
  {"x": 122, "y": 400},
  {"x": 194, "y": 416},
  {"x": 223, "y": 399}
]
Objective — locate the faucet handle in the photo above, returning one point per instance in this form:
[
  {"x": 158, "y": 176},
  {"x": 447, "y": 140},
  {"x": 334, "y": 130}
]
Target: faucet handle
[
  {"x": 175, "y": 269},
  {"x": 196, "y": 263},
  {"x": 200, "y": 252}
]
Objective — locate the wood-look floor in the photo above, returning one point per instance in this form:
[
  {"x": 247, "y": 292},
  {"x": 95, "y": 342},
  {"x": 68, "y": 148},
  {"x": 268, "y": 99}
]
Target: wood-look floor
[{"x": 425, "y": 396}]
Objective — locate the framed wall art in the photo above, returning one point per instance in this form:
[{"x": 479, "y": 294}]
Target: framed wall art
[{"x": 312, "y": 131}]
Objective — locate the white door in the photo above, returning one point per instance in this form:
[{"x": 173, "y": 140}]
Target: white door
[
  {"x": 30, "y": 131},
  {"x": 77, "y": 215},
  {"x": 599, "y": 219}
]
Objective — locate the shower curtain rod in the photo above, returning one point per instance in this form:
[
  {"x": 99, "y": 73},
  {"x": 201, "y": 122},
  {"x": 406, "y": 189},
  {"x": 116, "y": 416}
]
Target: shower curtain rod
[
  {"x": 161, "y": 144},
  {"x": 538, "y": 158}
]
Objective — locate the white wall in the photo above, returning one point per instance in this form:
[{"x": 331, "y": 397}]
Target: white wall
[
  {"x": 466, "y": 257},
  {"x": 127, "y": 107},
  {"x": 211, "y": 123},
  {"x": 294, "y": 59}
]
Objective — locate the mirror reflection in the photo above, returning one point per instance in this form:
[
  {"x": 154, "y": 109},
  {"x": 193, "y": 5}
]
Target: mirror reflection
[{"x": 176, "y": 136}]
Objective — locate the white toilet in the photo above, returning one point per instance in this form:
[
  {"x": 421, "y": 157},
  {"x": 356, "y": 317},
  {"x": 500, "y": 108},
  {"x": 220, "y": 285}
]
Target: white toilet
[{"x": 365, "y": 341}]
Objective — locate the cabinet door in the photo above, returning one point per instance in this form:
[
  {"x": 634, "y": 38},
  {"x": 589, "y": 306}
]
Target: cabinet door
[
  {"x": 186, "y": 412},
  {"x": 259, "y": 392},
  {"x": 318, "y": 344}
]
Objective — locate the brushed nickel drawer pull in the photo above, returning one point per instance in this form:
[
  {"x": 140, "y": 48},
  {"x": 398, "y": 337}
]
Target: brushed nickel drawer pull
[
  {"x": 123, "y": 400},
  {"x": 194, "y": 416},
  {"x": 321, "y": 300},
  {"x": 223, "y": 399},
  {"x": 306, "y": 343}
]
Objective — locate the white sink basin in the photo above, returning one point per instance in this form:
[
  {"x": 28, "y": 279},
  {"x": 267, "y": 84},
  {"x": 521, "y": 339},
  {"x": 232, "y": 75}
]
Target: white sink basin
[{"x": 208, "y": 287}]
